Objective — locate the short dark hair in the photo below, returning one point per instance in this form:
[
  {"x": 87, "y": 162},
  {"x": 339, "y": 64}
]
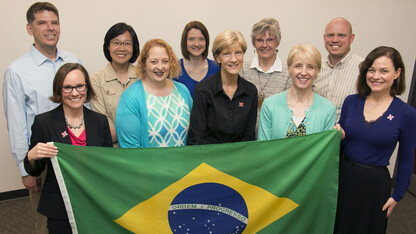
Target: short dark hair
[
  {"x": 60, "y": 77},
  {"x": 115, "y": 31},
  {"x": 40, "y": 6},
  {"x": 399, "y": 84},
  {"x": 201, "y": 27}
]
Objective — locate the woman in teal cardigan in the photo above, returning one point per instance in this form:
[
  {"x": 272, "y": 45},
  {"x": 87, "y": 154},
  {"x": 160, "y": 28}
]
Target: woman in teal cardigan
[
  {"x": 154, "y": 111},
  {"x": 297, "y": 111}
]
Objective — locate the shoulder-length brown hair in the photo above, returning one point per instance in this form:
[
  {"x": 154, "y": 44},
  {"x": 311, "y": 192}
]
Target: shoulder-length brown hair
[
  {"x": 175, "y": 67},
  {"x": 399, "y": 84},
  {"x": 60, "y": 77},
  {"x": 201, "y": 27}
]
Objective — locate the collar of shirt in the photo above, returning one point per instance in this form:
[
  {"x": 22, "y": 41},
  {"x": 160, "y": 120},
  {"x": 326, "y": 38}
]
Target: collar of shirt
[
  {"x": 109, "y": 68},
  {"x": 39, "y": 58},
  {"x": 218, "y": 86},
  {"x": 342, "y": 61},
  {"x": 276, "y": 67}
]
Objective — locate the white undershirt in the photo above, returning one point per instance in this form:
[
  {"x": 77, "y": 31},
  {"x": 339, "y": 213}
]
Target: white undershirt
[{"x": 298, "y": 119}]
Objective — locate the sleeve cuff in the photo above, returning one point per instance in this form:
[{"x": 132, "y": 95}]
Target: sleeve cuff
[{"x": 22, "y": 169}]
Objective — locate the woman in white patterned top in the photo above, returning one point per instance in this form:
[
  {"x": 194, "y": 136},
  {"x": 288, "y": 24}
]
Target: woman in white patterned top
[{"x": 154, "y": 111}]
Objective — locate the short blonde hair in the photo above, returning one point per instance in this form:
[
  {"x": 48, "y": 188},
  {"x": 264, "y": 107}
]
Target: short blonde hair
[
  {"x": 264, "y": 25},
  {"x": 175, "y": 67},
  {"x": 226, "y": 39},
  {"x": 306, "y": 52}
]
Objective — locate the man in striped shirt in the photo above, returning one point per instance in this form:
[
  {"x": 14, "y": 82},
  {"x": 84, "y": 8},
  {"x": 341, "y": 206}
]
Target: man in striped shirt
[{"x": 339, "y": 72}]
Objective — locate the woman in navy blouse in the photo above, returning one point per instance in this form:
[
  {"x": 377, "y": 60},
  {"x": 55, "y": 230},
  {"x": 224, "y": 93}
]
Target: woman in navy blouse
[
  {"x": 374, "y": 120},
  {"x": 195, "y": 47}
]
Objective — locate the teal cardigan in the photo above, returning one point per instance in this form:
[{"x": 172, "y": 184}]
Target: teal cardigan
[
  {"x": 275, "y": 116},
  {"x": 131, "y": 116}
]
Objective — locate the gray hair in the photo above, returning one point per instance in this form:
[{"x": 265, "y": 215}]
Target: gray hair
[{"x": 264, "y": 25}]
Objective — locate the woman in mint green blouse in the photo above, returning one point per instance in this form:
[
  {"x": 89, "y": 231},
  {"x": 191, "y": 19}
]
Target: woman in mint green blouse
[
  {"x": 154, "y": 111},
  {"x": 297, "y": 111}
]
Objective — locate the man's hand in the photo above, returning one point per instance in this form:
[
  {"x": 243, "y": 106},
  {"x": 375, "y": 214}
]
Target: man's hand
[{"x": 33, "y": 184}]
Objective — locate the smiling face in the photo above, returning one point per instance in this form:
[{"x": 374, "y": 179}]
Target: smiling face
[
  {"x": 303, "y": 72},
  {"x": 231, "y": 59},
  {"x": 75, "y": 99},
  {"x": 381, "y": 75},
  {"x": 121, "y": 48},
  {"x": 195, "y": 42},
  {"x": 265, "y": 45},
  {"x": 338, "y": 37},
  {"x": 45, "y": 30},
  {"x": 157, "y": 65}
]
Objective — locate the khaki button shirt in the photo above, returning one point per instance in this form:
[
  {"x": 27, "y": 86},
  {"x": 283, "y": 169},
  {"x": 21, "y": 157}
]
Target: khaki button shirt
[{"x": 108, "y": 89}]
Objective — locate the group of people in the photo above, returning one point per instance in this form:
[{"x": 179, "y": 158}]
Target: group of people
[{"x": 165, "y": 102}]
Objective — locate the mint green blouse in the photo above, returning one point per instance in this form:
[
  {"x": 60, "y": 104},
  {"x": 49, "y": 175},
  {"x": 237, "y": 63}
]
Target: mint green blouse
[{"x": 275, "y": 116}]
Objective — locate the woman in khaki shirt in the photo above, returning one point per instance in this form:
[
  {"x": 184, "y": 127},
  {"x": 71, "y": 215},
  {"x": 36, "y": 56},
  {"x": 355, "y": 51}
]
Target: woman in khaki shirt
[{"x": 121, "y": 48}]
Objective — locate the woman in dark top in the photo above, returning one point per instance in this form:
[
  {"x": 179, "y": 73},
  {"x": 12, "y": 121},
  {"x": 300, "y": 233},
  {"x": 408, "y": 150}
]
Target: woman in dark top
[
  {"x": 225, "y": 105},
  {"x": 374, "y": 120},
  {"x": 69, "y": 123}
]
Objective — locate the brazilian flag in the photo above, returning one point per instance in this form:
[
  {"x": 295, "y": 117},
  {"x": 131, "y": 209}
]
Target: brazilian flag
[{"x": 279, "y": 186}]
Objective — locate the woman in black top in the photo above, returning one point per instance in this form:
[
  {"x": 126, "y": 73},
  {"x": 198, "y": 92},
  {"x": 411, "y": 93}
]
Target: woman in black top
[
  {"x": 225, "y": 105},
  {"x": 69, "y": 123}
]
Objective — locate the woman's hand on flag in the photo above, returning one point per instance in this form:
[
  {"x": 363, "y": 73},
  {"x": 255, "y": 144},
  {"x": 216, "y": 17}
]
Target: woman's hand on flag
[{"x": 339, "y": 128}]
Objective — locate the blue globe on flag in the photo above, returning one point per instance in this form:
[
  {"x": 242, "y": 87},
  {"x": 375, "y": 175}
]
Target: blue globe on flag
[{"x": 208, "y": 208}]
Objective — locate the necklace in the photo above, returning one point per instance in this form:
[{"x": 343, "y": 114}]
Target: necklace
[
  {"x": 74, "y": 127},
  {"x": 373, "y": 104},
  {"x": 230, "y": 91},
  {"x": 261, "y": 95},
  {"x": 196, "y": 71}
]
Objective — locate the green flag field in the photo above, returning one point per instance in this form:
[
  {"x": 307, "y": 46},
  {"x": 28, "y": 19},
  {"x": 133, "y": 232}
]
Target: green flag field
[{"x": 279, "y": 186}]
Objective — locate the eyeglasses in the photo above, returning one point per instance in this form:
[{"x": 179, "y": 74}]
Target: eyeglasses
[
  {"x": 118, "y": 44},
  {"x": 68, "y": 89},
  {"x": 268, "y": 40}
]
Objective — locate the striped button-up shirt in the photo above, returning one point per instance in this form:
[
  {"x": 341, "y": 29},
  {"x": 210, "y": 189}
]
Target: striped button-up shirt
[{"x": 337, "y": 82}]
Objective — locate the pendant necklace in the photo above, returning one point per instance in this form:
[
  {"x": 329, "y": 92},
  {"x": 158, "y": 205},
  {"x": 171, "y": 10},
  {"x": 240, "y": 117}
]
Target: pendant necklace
[
  {"x": 74, "y": 127},
  {"x": 261, "y": 94}
]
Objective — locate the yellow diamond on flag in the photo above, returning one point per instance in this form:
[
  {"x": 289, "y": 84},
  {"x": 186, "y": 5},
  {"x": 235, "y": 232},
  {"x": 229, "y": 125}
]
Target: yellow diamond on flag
[{"x": 207, "y": 199}]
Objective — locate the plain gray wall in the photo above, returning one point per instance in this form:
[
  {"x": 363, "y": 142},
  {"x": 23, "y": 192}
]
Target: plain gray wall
[{"x": 84, "y": 23}]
